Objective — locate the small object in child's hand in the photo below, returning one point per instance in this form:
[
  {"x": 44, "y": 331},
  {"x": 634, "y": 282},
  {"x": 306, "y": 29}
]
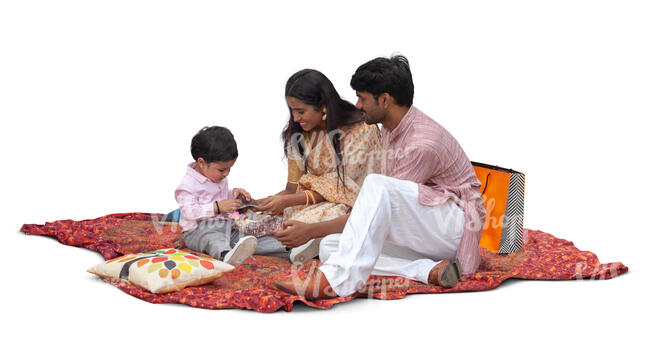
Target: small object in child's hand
[
  {"x": 245, "y": 204},
  {"x": 248, "y": 205}
]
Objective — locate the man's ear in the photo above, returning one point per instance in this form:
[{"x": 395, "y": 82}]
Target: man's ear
[{"x": 385, "y": 100}]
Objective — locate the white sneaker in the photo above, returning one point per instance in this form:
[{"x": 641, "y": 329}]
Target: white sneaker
[
  {"x": 306, "y": 252},
  {"x": 244, "y": 248}
]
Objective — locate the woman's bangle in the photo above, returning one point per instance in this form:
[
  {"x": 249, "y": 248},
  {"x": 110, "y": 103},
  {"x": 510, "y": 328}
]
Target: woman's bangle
[
  {"x": 218, "y": 209},
  {"x": 306, "y": 197},
  {"x": 310, "y": 195}
]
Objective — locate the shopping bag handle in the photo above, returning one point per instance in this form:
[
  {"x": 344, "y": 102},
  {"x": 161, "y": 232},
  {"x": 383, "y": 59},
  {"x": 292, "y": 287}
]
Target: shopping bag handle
[{"x": 487, "y": 179}]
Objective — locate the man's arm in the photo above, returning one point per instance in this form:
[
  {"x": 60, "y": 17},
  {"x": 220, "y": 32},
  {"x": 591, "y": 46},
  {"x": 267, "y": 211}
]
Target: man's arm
[
  {"x": 296, "y": 233},
  {"x": 417, "y": 163},
  {"x": 325, "y": 228},
  {"x": 468, "y": 253}
]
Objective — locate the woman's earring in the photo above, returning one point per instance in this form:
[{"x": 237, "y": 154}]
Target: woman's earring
[
  {"x": 324, "y": 113},
  {"x": 324, "y": 117}
]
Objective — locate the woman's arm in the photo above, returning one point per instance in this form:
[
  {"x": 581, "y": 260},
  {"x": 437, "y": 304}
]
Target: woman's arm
[
  {"x": 289, "y": 189},
  {"x": 284, "y": 199},
  {"x": 293, "y": 176},
  {"x": 300, "y": 198}
]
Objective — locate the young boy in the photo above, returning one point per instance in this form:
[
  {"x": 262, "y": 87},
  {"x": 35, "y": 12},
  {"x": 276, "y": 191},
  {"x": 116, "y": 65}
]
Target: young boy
[{"x": 203, "y": 196}]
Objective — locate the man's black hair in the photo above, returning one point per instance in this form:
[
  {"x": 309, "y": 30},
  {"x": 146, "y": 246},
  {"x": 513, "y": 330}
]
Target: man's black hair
[
  {"x": 213, "y": 144},
  {"x": 383, "y": 75}
]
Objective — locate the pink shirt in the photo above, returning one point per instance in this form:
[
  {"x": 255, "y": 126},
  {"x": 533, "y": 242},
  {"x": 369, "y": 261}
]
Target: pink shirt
[
  {"x": 422, "y": 151},
  {"x": 196, "y": 196}
]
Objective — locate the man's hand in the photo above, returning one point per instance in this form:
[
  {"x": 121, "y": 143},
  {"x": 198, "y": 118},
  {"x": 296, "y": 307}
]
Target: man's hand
[
  {"x": 227, "y": 206},
  {"x": 294, "y": 234},
  {"x": 275, "y": 204},
  {"x": 237, "y": 192}
]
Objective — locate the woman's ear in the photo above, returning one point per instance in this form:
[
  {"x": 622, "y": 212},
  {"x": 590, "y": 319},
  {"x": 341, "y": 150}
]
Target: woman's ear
[{"x": 200, "y": 162}]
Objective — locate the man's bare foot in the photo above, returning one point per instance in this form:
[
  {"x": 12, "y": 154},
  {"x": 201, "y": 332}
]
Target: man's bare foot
[{"x": 445, "y": 274}]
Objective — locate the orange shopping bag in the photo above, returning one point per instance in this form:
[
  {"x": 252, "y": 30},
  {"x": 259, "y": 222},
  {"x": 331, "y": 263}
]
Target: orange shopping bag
[{"x": 503, "y": 196}]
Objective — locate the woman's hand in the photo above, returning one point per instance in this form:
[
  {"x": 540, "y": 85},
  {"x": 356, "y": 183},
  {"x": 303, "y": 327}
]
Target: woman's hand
[
  {"x": 275, "y": 204},
  {"x": 294, "y": 234},
  {"x": 237, "y": 192},
  {"x": 227, "y": 206},
  {"x": 262, "y": 201}
]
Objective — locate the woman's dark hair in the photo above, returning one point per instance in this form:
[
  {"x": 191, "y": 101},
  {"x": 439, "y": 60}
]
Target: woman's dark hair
[
  {"x": 381, "y": 75},
  {"x": 315, "y": 89},
  {"x": 213, "y": 144}
]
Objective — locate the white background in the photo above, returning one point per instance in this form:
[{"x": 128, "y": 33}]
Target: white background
[{"x": 99, "y": 101}]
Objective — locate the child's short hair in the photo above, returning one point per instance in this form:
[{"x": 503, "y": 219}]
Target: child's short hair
[{"x": 213, "y": 144}]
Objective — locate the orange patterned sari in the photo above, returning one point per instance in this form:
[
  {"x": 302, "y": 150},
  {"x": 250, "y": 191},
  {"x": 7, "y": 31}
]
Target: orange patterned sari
[{"x": 361, "y": 152}]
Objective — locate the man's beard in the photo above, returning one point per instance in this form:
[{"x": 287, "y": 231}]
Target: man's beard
[{"x": 369, "y": 120}]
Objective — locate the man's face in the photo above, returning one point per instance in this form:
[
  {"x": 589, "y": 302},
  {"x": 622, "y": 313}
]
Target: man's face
[{"x": 368, "y": 105}]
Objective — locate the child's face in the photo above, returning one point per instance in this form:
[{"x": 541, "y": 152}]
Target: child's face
[{"x": 215, "y": 171}]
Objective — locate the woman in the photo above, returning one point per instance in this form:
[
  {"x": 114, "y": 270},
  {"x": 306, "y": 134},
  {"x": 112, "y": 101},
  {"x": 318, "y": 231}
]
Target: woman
[{"x": 330, "y": 151}]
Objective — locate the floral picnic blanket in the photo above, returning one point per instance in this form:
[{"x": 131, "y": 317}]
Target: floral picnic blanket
[{"x": 250, "y": 285}]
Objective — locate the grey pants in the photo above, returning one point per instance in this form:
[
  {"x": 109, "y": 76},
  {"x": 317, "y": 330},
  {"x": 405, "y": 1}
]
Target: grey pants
[{"x": 214, "y": 238}]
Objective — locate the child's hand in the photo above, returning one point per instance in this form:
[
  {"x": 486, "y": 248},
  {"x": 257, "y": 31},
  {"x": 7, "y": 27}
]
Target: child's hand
[
  {"x": 227, "y": 206},
  {"x": 237, "y": 192}
]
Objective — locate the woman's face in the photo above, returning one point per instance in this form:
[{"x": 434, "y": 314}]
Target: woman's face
[{"x": 308, "y": 116}]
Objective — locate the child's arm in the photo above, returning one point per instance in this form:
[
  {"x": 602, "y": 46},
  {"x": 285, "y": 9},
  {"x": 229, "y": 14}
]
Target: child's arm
[
  {"x": 227, "y": 206},
  {"x": 192, "y": 209}
]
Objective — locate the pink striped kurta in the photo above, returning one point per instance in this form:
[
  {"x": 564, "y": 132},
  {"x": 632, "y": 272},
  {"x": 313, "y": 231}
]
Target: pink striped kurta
[{"x": 422, "y": 151}]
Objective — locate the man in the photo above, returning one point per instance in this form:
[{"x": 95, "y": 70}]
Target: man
[{"x": 422, "y": 218}]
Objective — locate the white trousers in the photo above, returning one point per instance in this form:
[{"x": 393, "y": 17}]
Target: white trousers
[{"x": 389, "y": 233}]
